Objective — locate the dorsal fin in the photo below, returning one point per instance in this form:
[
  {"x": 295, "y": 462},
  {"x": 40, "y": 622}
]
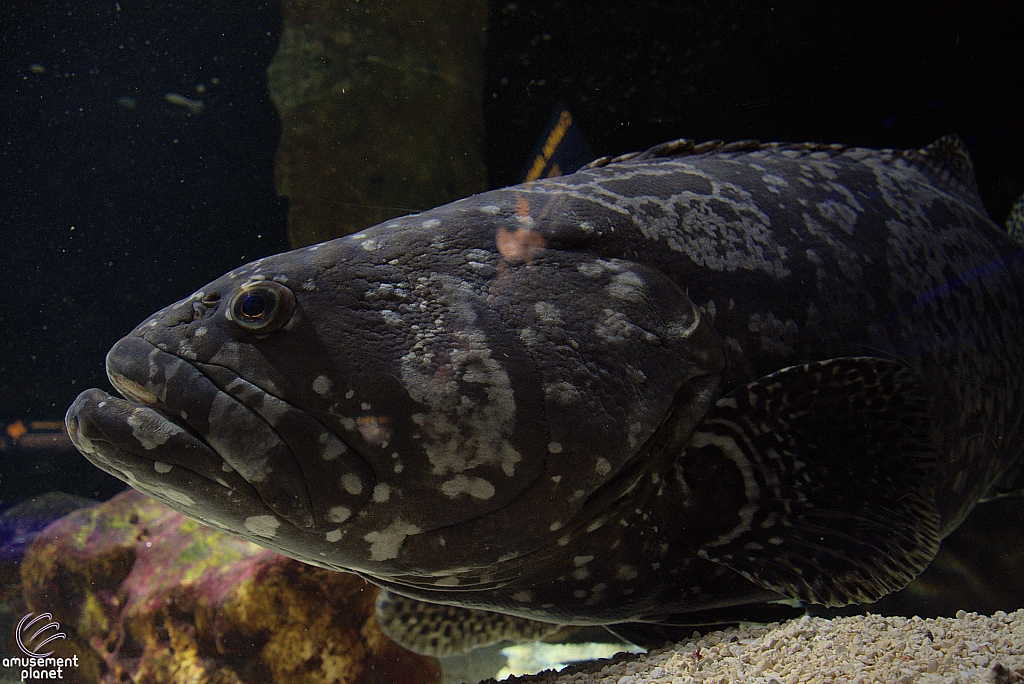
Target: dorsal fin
[
  {"x": 684, "y": 147},
  {"x": 947, "y": 157}
]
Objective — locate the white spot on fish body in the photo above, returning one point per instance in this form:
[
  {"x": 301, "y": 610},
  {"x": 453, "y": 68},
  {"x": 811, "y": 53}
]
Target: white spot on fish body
[
  {"x": 381, "y": 493},
  {"x": 626, "y": 572},
  {"x": 616, "y": 328},
  {"x": 562, "y": 392},
  {"x": 580, "y": 561},
  {"x": 150, "y": 429},
  {"x": 333, "y": 536},
  {"x": 161, "y": 467},
  {"x": 554, "y": 448},
  {"x": 263, "y": 525},
  {"x": 385, "y": 544},
  {"x": 364, "y": 406},
  {"x": 548, "y": 313},
  {"x": 602, "y": 467},
  {"x": 431, "y": 223},
  {"x": 555, "y": 526},
  {"x": 529, "y": 337},
  {"x": 322, "y": 385},
  {"x": 352, "y": 483},
  {"x": 626, "y": 286},
  {"x": 477, "y": 487},
  {"x": 489, "y": 209},
  {"x": 339, "y": 514},
  {"x": 523, "y": 596},
  {"x": 331, "y": 447},
  {"x": 350, "y": 394}
]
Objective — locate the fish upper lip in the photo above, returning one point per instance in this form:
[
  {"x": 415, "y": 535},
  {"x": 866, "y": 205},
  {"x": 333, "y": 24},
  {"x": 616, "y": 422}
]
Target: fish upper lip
[{"x": 134, "y": 393}]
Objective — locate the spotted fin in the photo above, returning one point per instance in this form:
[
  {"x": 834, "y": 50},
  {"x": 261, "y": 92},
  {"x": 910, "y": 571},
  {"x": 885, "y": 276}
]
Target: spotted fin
[
  {"x": 438, "y": 630},
  {"x": 948, "y": 159},
  {"x": 838, "y": 462},
  {"x": 1015, "y": 221}
]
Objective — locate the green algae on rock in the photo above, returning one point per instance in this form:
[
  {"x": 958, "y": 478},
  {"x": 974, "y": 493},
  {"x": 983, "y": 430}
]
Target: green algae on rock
[
  {"x": 148, "y": 595},
  {"x": 381, "y": 110}
]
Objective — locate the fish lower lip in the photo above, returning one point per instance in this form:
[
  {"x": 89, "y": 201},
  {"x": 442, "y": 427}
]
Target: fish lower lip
[{"x": 140, "y": 444}]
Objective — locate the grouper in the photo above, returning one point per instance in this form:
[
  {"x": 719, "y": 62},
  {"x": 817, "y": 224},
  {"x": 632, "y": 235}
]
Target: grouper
[{"x": 673, "y": 387}]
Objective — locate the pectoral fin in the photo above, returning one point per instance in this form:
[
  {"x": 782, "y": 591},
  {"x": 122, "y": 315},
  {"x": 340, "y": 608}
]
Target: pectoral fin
[{"x": 837, "y": 461}]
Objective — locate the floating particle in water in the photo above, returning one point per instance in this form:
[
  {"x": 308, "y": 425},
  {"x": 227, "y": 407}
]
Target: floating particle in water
[{"x": 193, "y": 106}]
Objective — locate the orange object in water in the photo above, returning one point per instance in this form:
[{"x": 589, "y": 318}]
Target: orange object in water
[{"x": 16, "y": 429}]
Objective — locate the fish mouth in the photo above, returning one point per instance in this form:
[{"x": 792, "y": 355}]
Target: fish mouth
[
  {"x": 199, "y": 438},
  {"x": 143, "y": 446}
]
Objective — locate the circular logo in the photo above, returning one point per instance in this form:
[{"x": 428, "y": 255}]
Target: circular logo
[{"x": 35, "y": 632}]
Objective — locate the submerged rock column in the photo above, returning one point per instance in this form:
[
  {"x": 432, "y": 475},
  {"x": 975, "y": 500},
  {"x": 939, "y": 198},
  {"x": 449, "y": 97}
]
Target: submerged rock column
[{"x": 381, "y": 110}]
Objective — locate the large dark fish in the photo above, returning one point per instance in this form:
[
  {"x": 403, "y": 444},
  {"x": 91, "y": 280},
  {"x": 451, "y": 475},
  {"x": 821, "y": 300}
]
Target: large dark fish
[{"x": 671, "y": 384}]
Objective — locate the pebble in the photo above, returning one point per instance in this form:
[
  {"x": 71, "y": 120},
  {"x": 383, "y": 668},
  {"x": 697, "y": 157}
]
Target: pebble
[{"x": 968, "y": 649}]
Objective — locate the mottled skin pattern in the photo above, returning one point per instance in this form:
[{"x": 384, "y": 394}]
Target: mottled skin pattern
[{"x": 544, "y": 400}]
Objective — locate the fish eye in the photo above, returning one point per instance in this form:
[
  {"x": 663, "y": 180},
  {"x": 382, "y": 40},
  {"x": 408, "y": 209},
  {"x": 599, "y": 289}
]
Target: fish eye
[{"x": 261, "y": 307}]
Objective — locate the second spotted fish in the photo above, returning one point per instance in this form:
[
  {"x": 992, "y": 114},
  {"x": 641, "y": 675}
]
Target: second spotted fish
[{"x": 674, "y": 387}]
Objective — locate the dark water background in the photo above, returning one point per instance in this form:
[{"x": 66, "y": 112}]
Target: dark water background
[{"x": 109, "y": 212}]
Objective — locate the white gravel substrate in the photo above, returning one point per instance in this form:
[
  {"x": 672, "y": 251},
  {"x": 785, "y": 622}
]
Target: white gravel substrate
[{"x": 862, "y": 649}]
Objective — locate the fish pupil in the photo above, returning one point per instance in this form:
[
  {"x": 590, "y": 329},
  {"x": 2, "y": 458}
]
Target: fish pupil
[{"x": 254, "y": 305}]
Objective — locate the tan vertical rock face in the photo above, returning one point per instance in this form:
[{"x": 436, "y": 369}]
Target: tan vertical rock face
[{"x": 381, "y": 110}]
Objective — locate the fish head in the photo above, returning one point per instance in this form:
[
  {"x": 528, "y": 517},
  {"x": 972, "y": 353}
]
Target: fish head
[{"x": 395, "y": 402}]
